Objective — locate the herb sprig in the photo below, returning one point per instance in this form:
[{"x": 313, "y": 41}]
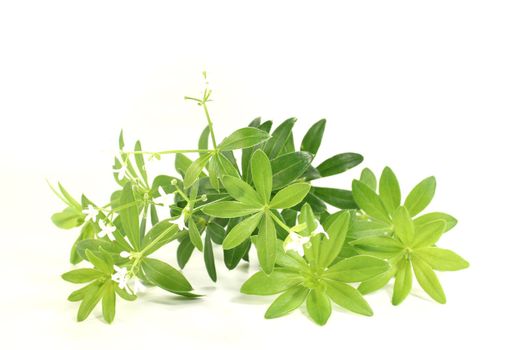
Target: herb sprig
[{"x": 268, "y": 199}]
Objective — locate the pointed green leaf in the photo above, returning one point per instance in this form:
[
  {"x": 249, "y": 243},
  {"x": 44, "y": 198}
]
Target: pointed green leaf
[
  {"x": 369, "y": 179},
  {"x": 243, "y": 138},
  {"x": 389, "y": 190},
  {"x": 209, "y": 260},
  {"x": 242, "y": 231},
  {"x": 229, "y": 209},
  {"x": 129, "y": 215},
  {"x": 267, "y": 244},
  {"x": 441, "y": 259},
  {"x": 263, "y": 284},
  {"x": 195, "y": 235},
  {"x": 369, "y": 201},
  {"x": 288, "y": 167},
  {"x": 313, "y": 137},
  {"x": 139, "y": 160},
  {"x": 403, "y": 225},
  {"x": 429, "y": 234},
  {"x": 241, "y": 191},
  {"x": 165, "y": 276},
  {"x": 184, "y": 251},
  {"x": 67, "y": 219},
  {"x": 195, "y": 169},
  {"x": 339, "y": 164},
  {"x": 318, "y": 306},
  {"x": 287, "y": 302},
  {"x": 108, "y": 301},
  {"x": 262, "y": 174},
  {"x": 403, "y": 283},
  {"x": 342, "y": 199},
  {"x": 449, "y": 220},
  {"x": 290, "y": 195},
  {"x": 279, "y": 137},
  {"x": 331, "y": 247},
  {"x": 348, "y": 297},
  {"x": 82, "y": 275},
  {"x": 91, "y": 299},
  {"x": 357, "y": 269},
  {"x": 421, "y": 196},
  {"x": 428, "y": 280},
  {"x": 378, "y": 246},
  {"x": 377, "y": 282}
]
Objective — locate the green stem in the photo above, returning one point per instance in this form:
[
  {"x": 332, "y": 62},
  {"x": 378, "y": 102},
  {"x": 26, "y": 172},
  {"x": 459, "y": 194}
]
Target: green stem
[
  {"x": 210, "y": 124},
  {"x": 278, "y": 221}
]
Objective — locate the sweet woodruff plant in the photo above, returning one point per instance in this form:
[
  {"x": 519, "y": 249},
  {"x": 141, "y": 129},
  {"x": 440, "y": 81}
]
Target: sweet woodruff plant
[{"x": 315, "y": 245}]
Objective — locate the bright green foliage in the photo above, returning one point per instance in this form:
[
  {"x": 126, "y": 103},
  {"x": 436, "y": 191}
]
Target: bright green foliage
[
  {"x": 255, "y": 188},
  {"x": 315, "y": 278}
]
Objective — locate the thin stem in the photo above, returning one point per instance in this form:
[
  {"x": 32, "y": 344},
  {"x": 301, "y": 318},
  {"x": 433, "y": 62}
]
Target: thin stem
[
  {"x": 278, "y": 221},
  {"x": 210, "y": 124}
]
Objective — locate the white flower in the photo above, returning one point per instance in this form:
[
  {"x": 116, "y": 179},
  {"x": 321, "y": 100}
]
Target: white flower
[
  {"x": 106, "y": 230},
  {"x": 137, "y": 286},
  {"x": 121, "y": 172},
  {"x": 165, "y": 198},
  {"x": 295, "y": 242},
  {"x": 181, "y": 220},
  {"x": 91, "y": 213},
  {"x": 125, "y": 254},
  {"x": 121, "y": 277}
]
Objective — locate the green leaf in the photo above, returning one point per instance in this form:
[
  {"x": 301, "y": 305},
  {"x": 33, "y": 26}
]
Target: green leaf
[
  {"x": 182, "y": 163},
  {"x": 91, "y": 299},
  {"x": 378, "y": 246},
  {"x": 342, "y": 199},
  {"x": 209, "y": 260},
  {"x": 377, "y": 282},
  {"x": 421, "y": 196},
  {"x": 263, "y": 284},
  {"x": 165, "y": 276},
  {"x": 241, "y": 191},
  {"x": 403, "y": 284},
  {"x": 242, "y": 231},
  {"x": 243, "y": 138},
  {"x": 348, "y": 297},
  {"x": 339, "y": 164},
  {"x": 318, "y": 306},
  {"x": 195, "y": 169},
  {"x": 184, "y": 251},
  {"x": 428, "y": 280},
  {"x": 364, "y": 228},
  {"x": 232, "y": 257},
  {"x": 99, "y": 263},
  {"x": 108, "y": 301},
  {"x": 125, "y": 295},
  {"x": 229, "y": 209},
  {"x": 290, "y": 195},
  {"x": 82, "y": 275},
  {"x": 313, "y": 137},
  {"x": 168, "y": 231},
  {"x": 389, "y": 190},
  {"x": 203, "y": 139},
  {"x": 266, "y": 244},
  {"x": 79, "y": 294},
  {"x": 337, "y": 230},
  {"x": 441, "y": 259},
  {"x": 129, "y": 216},
  {"x": 357, "y": 269},
  {"x": 262, "y": 174},
  {"x": 369, "y": 179},
  {"x": 279, "y": 137},
  {"x": 139, "y": 160},
  {"x": 195, "y": 235},
  {"x": 216, "y": 232},
  {"x": 69, "y": 198},
  {"x": 289, "y": 167},
  {"x": 287, "y": 302},
  {"x": 67, "y": 219},
  {"x": 403, "y": 225},
  {"x": 429, "y": 234},
  {"x": 306, "y": 216},
  {"x": 422, "y": 220},
  {"x": 369, "y": 201}
]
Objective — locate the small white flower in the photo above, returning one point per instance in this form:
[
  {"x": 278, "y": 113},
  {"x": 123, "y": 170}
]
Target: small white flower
[
  {"x": 125, "y": 254},
  {"x": 295, "y": 242},
  {"x": 121, "y": 172},
  {"x": 121, "y": 277},
  {"x": 91, "y": 213},
  {"x": 181, "y": 220},
  {"x": 165, "y": 198},
  {"x": 137, "y": 286},
  {"x": 106, "y": 230}
]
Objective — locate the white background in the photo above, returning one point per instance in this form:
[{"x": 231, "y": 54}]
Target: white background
[{"x": 427, "y": 87}]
